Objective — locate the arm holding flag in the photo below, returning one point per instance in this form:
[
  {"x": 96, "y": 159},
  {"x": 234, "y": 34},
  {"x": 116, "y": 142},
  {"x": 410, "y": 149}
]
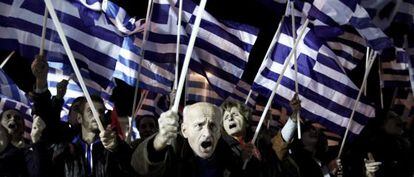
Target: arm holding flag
[{"x": 284, "y": 137}]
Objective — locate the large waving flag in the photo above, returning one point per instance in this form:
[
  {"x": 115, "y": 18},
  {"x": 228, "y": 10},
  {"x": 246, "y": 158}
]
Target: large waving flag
[
  {"x": 221, "y": 49},
  {"x": 335, "y": 13},
  {"x": 11, "y": 97},
  {"x": 326, "y": 93},
  {"x": 95, "y": 45}
]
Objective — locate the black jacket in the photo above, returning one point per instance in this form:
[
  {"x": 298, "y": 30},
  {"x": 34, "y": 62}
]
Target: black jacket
[{"x": 180, "y": 160}]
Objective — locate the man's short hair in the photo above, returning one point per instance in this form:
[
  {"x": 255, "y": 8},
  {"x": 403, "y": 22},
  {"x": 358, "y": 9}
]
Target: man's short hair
[{"x": 83, "y": 101}]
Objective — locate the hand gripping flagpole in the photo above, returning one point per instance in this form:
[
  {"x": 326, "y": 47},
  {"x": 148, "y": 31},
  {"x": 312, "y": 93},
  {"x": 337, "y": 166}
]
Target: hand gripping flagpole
[
  {"x": 188, "y": 53},
  {"x": 370, "y": 63},
  {"x": 65, "y": 43},
  {"x": 279, "y": 79}
]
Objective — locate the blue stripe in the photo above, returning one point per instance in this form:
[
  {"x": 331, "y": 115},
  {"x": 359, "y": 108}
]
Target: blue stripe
[
  {"x": 200, "y": 43},
  {"x": 75, "y": 22},
  {"x": 305, "y": 113},
  {"x": 317, "y": 98}
]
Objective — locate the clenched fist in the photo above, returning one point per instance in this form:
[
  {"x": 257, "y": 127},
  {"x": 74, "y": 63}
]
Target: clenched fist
[{"x": 168, "y": 129}]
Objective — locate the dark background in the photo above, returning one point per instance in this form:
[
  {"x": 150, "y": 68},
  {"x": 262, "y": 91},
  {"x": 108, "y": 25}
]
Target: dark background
[{"x": 263, "y": 14}]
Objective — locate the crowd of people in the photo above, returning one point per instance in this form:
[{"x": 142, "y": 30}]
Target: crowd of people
[{"x": 206, "y": 141}]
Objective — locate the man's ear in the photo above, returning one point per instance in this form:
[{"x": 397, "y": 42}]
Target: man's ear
[
  {"x": 184, "y": 130},
  {"x": 79, "y": 118}
]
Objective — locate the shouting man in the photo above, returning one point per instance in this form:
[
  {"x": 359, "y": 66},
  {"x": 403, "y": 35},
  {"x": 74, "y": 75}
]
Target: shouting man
[{"x": 200, "y": 151}]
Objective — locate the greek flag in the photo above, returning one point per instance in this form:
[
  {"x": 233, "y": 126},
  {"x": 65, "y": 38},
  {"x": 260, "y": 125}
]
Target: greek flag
[
  {"x": 395, "y": 68},
  {"x": 152, "y": 104},
  {"x": 327, "y": 94},
  {"x": 336, "y": 13},
  {"x": 199, "y": 90},
  {"x": 221, "y": 49},
  {"x": 277, "y": 116},
  {"x": 403, "y": 103}
]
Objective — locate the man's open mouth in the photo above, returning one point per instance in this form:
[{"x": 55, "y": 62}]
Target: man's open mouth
[
  {"x": 233, "y": 125},
  {"x": 12, "y": 125},
  {"x": 206, "y": 144}
]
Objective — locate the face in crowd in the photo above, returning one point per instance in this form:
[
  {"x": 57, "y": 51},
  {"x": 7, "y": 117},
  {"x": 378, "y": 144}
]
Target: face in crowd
[
  {"x": 201, "y": 126},
  {"x": 313, "y": 139},
  {"x": 86, "y": 119},
  {"x": 393, "y": 124},
  {"x": 12, "y": 121},
  {"x": 233, "y": 121},
  {"x": 147, "y": 126}
]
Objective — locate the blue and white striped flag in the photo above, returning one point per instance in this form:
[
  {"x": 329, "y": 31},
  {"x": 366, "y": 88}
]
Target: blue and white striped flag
[
  {"x": 386, "y": 12},
  {"x": 403, "y": 103},
  {"x": 278, "y": 116},
  {"x": 395, "y": 68},
  {"x": 95, "y": 42},
  {"x": 11, "y": 97},
  {"x": 199, "y": 90},
  {"x": 241, "y": 92},
  {"x": 221, "y": 49},
  {"x": 153, "y": 104},
  {"x": 349, "y": 47},
  {"x": 336, "y": 13},
  {"x": 326, "y": 93},
  {"x": 9, "y": 89}
]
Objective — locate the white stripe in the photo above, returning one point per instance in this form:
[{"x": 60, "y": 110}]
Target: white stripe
[
  {"x": 334, "y": 9},
  {"x": 198, "y": 54},
  {"x": 315, "y": 108},
  {"x": 318, "y": 88}
]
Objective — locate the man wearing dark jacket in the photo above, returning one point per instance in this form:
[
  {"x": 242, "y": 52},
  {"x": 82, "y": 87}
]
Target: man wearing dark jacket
[
  {"x": 200, "y": 151},
  {"x": 84, "y": 152}
]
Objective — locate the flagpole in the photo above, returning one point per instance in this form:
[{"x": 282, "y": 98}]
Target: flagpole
[
  {"x": 370, "y": 63},
  {"x": 381, "y": 85},
  {"x": 65, "y": 43},
  {"x": 135, "y": 112},
  {"x": 269, "y": 102},
  {"x": 44, "y": 27},
  {"x": 295, "y": 59},
  {"x": 7, "y": 59},
  {"x": 188, "y": 53},
  {"x": 269, "y": 50},
  {"x": 177, "y": 51},
  {"x": 142, "y": 53}
]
